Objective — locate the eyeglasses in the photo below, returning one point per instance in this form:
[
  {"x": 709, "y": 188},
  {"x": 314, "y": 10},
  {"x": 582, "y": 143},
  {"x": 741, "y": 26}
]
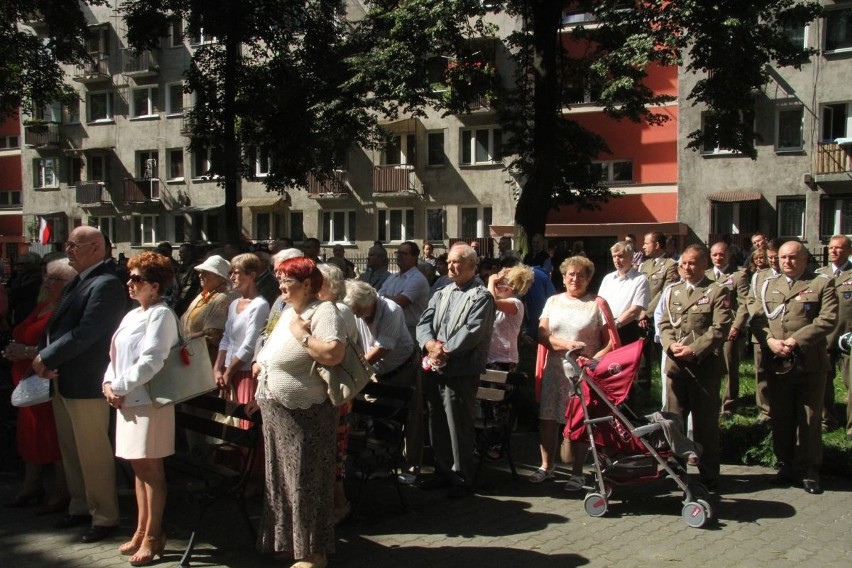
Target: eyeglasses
[
  {"x": 136, "y": 279},
  {"x": 287, "y": 281},
  {"x": 72, "y": 245}
]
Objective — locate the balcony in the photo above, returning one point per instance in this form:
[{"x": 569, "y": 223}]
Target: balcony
[
  {"x": 139, "y": 63},
  {"x": 41, "y": 135},
  {"x": 93, "y": 71},
  {"x": 395, "y": 179},
  {"x": 833, "y": 161},
  {"x": 141, "y": 190},
  {"x": 332, "y": 188},
  {"x": 92, "y": 193},
  {"x": 187, "y": 124}
]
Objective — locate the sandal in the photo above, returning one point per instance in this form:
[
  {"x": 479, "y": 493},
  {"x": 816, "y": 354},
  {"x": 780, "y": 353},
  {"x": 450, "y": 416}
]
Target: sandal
[
  {"x": 540, "y": 475},
  {"x": 575, "y": 483}
]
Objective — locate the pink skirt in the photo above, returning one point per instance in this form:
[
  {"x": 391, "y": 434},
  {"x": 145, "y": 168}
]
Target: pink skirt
[{"x": 144, "y": 432}]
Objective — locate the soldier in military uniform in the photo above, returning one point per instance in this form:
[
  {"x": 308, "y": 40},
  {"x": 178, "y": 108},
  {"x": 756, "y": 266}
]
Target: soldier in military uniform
[
  {"x": 762, "y": 354},
  {"x": 839, "y": 268},
  {"x": 661, "y": 272},
  {"x": 726, "y": 273},
  {"x": 798, "y": 309},
  {"x": 693, "y": 328}
]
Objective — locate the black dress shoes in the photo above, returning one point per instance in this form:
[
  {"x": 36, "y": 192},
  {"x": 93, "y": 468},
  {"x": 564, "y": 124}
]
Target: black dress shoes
[
  {"x": 812, "y": 487},
  {"x": 97, "y": 533},
  {"x": 72, "y": 521}
]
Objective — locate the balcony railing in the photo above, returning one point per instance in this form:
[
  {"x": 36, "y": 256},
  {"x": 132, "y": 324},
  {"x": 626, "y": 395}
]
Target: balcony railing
[
  {"x": 92, "y": 193},
  {"x": 334, "y": 186},
  {"x": 139, "y": 63},
  {"x": 187, "y": 124},
  {"x": 40, "y": 135},
  {"x": 394, "y": 179},
  {"x": 141, "y": 190},
  {"x": 95, "y": 70},
  {"x": 832, "y": 158}
]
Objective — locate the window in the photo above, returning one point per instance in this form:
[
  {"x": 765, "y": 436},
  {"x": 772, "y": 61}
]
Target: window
[
  {"x": 145, "y": 102},
  {"x": 613, "y": 172},
  {"x": 481, "y": 146},
  {"x": 297, "y": 226},
  {"x": 100, "y": 107},
  {"x": 206, "y": 226},
  {"x": 9, "y": 142},
  {"x": 835, "y": 217},
  {"x": 797, "y": 34},
  {"x": 144, "y": 230},
  {"x": 97, "y": 168},
  {"x": 475, "y": 222},
  {"x": 72, "y": 112},
  {"x": 97, "y": 41},
  {"x": 436, "y": 222},
  {"x": 202, "y": 163},
  {"x": 266, "y": 225},
  {"x": 200, "y": 38},
  {"x": 106, "y": 225},
  {"x": 48, "y": 113},
  {"x": 262, "y": 162},
  {"x": 75, "y": 170},
  {"x": 174, "y": 98},
  {"x": 339, "y": 226},
  {"x": 146, "y": 164},
  {"x": 10, "y": 198},
  {"x": 400, "y": 149},
  {"x": 44, "y": 172},
  {"x": 709, "y": 126},
  {"x": 395, "y": 225},
  {"x": 791, "y": 218},
  {"x": 838, "y": 29},
  {"x": 175, "y": 164},
  {"x": 836, "y": 122},
  {"x": 788, "y": 129},
  {"x": 733, "y": 217},
  {"x": 175, "y": 32},
  {"x": 435, "y": 155}
]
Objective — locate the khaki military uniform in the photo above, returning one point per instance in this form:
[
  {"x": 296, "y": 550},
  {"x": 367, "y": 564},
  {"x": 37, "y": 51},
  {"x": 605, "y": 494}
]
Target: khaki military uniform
[
  {"x": 737, "y": 282},
  {"x": 700, "y": 319},
  {"x": 805, "y": 310},
  {"x": 660, "y": 272},
  {"x": 835, "y": 357},
  {"x": 843, "y": 289},
  {"x": 761, "y": 354}
]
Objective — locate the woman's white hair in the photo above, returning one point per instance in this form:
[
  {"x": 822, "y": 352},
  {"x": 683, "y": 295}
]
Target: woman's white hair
[{"x": 359, "y": 294}]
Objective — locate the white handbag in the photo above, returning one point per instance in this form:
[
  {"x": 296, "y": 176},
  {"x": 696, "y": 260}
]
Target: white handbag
[{"x": 31, "y": 391}]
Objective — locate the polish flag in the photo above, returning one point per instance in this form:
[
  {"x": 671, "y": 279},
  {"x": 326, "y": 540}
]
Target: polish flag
[{"x": 43, "y": 231}]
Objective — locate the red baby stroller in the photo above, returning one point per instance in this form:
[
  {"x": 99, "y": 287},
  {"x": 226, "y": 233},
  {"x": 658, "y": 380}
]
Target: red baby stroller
[{"x": 626, "y": 448}]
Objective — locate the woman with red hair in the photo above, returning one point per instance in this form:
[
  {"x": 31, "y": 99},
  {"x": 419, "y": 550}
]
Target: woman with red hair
[{"x": 299, "y": 421}]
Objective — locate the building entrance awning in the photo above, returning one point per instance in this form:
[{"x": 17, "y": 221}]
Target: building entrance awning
[
  {"x": 733, "y": 196},
  {"x": 268, "y": 201}
]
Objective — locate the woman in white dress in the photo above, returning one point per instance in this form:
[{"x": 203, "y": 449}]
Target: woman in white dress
[
  {"x": 144, "y": 435},
  {"x": 569, "y": 321}
]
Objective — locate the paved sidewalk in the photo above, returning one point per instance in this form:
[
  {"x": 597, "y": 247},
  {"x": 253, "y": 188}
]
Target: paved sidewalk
[{"x": 507, "y": 524}]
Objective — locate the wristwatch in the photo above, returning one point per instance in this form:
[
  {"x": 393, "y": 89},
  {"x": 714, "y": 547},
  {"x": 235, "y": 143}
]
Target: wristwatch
[{"x": 305, "y": 339}]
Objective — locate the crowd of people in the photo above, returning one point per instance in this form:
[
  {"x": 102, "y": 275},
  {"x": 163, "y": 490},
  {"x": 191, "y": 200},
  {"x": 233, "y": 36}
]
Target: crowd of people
[{"x": 101, "y": 330}]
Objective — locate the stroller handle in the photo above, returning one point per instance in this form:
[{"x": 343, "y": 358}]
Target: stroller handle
[{"x": 572, "y": 360}]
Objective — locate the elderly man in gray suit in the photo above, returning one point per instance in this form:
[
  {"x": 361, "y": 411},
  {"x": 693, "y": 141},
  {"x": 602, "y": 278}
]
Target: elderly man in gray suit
[{"x": 75, "y": 353}]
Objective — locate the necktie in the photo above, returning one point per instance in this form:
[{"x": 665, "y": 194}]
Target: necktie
[{"x": 836, "y": 272}]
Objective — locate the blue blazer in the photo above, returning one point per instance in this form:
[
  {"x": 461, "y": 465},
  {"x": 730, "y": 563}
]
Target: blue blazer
[{"x": 80, "y": 330}]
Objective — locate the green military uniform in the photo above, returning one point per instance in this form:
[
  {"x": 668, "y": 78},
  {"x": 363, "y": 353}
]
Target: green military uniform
[
  {"x": 805, "y": 310},
  {"x": 700, "y": 319},
  {"x": 660, "y": 272},
  {"x": 761, "y": 353},
  {"x": 737, "y": 282},
  {"x": 843, "y": 289}
]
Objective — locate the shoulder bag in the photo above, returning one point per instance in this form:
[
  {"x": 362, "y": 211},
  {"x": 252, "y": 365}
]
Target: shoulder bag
[
  {"x": 187, "y": 372},
  {"x": 348, "y": 378}
]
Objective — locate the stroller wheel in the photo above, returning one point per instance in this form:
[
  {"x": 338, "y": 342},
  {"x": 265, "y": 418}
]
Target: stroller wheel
[
  {"x": 595, "y": 505},
  {"x": 694, "y": 514},
  {"x": 707, "y": 508}
]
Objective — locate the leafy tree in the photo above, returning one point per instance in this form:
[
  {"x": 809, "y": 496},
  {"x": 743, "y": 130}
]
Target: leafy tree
[{"x": 31, "y": 74}]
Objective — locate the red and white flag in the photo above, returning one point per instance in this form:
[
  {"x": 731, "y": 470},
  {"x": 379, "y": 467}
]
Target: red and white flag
[{"x": 43, "y": 231}]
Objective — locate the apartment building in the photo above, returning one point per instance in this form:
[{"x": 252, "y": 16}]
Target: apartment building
[
  {"x": 120, "y": 161},
  {"x": 12, "y": 228},
  {"x": 800, "y": 185}
]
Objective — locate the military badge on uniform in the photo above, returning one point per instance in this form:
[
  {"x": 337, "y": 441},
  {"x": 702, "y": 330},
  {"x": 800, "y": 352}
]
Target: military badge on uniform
[{"x": 703, "y": 300}]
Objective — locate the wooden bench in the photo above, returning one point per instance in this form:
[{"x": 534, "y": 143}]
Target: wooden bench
[
  {"x": 199, "y": 471},
  {"x": 496, "y": 414},
  {"x": 376, "y": 438}
]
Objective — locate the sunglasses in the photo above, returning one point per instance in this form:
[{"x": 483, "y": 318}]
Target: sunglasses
[{"x": 136, "y": 279}]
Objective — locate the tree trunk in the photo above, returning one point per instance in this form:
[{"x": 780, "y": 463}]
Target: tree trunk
[
  {"x": 230, "y": 149},
  {"x": 536, "y": 198}
]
